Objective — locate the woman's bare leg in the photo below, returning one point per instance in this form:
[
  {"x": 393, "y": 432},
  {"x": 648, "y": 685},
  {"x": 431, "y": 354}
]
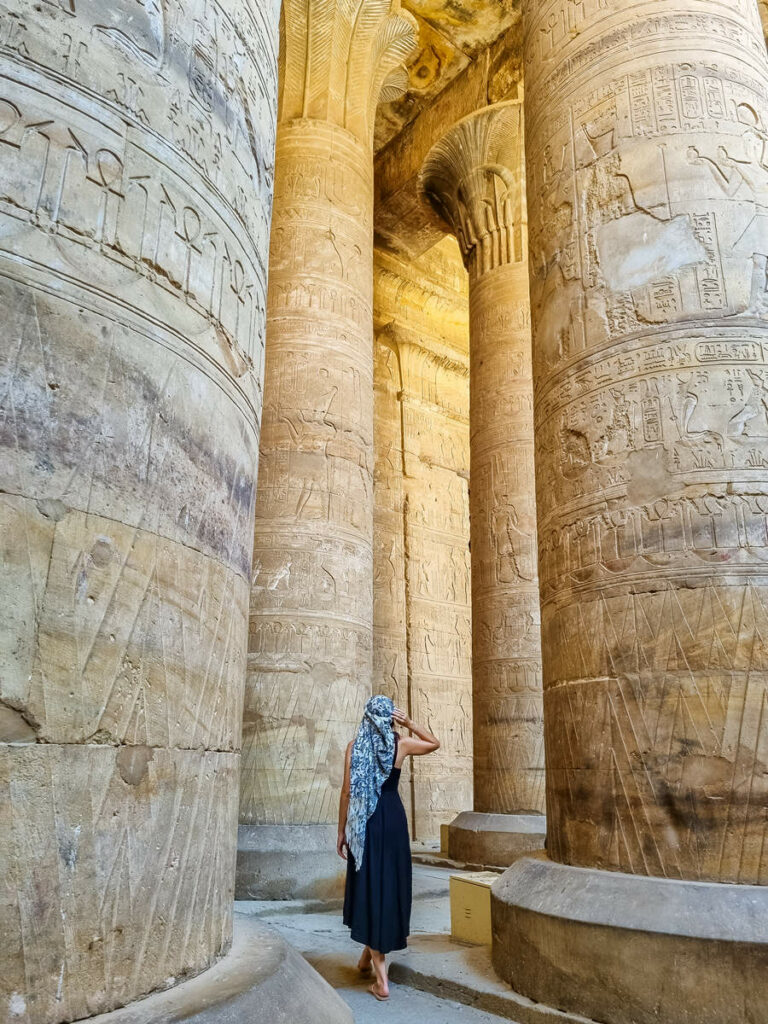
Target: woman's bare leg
[
  {"x": 380, "y": 987},
  {"x": 364, "y": 963}
]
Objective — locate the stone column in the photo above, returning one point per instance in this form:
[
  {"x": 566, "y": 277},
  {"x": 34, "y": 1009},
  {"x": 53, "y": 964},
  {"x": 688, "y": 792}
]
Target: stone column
[
  {"x": 475, "y": 177},
  {"x": 647, "y": 152},
  {"x": 310, "y": 667},
  {"x": 136, "y": 147}
]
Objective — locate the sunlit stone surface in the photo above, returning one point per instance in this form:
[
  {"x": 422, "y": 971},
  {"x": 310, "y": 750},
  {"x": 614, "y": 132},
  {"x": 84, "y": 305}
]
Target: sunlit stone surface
[
  {"x": 310, "y": 650},
  {"x": 136, "y": 147},
  {"x": 422, "y": 617},
  {"x": 403, "y": 418},
  {"x": 475, "y": 177},
  {"x": 646, "y": 143}
]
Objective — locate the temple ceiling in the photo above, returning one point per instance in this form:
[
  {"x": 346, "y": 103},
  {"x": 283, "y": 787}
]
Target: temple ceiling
[{"x": 453, "y": 34}]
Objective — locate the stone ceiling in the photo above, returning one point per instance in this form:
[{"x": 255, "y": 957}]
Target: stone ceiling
[{"x": 452, "y": 35}]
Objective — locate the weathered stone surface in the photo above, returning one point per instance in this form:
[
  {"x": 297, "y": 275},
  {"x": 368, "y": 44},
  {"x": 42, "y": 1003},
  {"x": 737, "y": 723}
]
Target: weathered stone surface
[
  {"x": 117, "y": 873},
  {"x": 495, "y": 840},
  {"x": 452, "y": 38},
  {"x": 310, "y": 643},
  {"x": 310, "y": 647},
  {"x": 475, "y": 178},
  {"x": 136, "y": 155},
  {"x": 631, "y": 949},
  {"x": 283, "y": 862},
  {"x": 114, "y": 650},
  {"x": 648, "y": 256},
  {"x": 422, "y": 628},
  {"x": 645, "y": 147},
  {"x": 262, "y": 978}
]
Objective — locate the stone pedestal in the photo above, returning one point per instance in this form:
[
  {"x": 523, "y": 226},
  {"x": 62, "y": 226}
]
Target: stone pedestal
[
  {"x": 475, "y": 178},
  {"x": 646, "y": 153},
  {"x": 630, "y": 949},
  {"x": 284, "y": 862},
  {"x": 495, "y": 840},
  {"x": 311, "y": 620},
  {"x": 136, "y": 149}
]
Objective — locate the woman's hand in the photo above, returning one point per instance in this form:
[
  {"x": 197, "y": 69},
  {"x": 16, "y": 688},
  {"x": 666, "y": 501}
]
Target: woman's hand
[
  {"x": 341, "y": 846},
  {"x": 401, "y": 718}
]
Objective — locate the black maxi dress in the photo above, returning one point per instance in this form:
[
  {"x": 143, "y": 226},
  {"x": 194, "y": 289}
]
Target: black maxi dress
[{"x": 377, "y": 900}]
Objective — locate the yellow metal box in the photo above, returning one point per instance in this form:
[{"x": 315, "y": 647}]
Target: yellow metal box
[
  {"x": 471, "y": 906},
  {"x": 443, "y": 839}
]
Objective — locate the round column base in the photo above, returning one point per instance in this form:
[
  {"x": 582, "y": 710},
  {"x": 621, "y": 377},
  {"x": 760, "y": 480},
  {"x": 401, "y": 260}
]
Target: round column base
[
  {"x": 628, "y": 949},
  {"x": 496, "y": 840},
  {"x": 262, "y": 978},
  {"x": 288, "y": 862}
]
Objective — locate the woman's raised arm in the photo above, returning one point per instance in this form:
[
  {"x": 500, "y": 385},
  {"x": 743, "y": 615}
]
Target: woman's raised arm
[{"x": 422, "y": 741}]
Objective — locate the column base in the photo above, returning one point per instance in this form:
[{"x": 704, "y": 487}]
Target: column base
[
  {"x": 628, "y": 949},
  {"x": 496, "y": 840},
  {"x": 288, "y": 862},
  {"x": 261, "y": 979}
]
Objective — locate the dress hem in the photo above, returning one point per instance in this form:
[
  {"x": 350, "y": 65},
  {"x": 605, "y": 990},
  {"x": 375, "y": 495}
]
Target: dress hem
[{"x": 392, "y": 949}]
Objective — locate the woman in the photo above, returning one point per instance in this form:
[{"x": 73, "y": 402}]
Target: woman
[{"x": 373, "y": 835}]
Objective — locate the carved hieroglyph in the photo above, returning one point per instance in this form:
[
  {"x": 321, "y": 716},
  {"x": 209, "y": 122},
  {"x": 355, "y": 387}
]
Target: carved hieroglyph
[
  {"x": 647, "y": 153},
  {"x": 475, "y": 177},
  {"x": 310, "y": 646},
  {"x": 422, "y": 627},
  {"x": 136, "y": 144}
]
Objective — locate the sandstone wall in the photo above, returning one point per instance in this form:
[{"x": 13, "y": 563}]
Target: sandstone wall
[
  {"x": 136, "y": 146},
  {"x": 422, "y": 618}
]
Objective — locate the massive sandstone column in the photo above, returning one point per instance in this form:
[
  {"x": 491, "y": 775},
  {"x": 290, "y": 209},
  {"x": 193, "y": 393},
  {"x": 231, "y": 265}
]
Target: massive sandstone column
[
  {"x": 647, "y": 153},
  {"x": 136, "y": 146},
  {"x": 310, "y": 651},
  {"x": 475, "y": 177}
]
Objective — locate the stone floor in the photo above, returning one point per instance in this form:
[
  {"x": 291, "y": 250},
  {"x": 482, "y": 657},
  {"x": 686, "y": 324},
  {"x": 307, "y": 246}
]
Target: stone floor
[
  {"x": 325, "y": 942},
  {"x": 321, "y": 936},
  {"x": 434, "y": 981}
]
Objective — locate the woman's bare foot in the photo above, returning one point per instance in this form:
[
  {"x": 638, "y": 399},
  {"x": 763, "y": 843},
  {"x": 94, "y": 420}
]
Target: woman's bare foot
[
  {"x": 364, "y": 963},
  {"x": 380, "y": 987},
  {"x": 376, "y": 991}
]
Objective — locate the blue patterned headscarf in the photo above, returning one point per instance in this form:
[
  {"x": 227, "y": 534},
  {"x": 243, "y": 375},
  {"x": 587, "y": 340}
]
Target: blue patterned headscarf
[{"x": 373, "y": 755}]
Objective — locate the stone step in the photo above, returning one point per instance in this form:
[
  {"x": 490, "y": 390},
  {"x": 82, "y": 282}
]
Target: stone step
[
  {"x": 431, "y": 858},
  {"x": 462, "y": 973}
]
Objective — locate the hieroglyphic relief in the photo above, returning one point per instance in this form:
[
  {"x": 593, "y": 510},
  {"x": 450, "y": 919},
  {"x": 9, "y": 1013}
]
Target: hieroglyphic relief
[
  {"x": 648, "y": 180},
  {"x": 195, "y": 76},
  {"x": 132, "y": 282},
  {"x": 422, "y": 627},
  {"x": 114, "y": 197},
  {"x": 475, "y": 178},
  {"x": 310, "y": 653},
  {"x": 390, "y": 591}
]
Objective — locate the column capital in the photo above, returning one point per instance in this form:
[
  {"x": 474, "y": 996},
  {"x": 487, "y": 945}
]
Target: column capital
[
  {"x": 340, "y": 58},
  {"x": 475, "y": 179}
]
